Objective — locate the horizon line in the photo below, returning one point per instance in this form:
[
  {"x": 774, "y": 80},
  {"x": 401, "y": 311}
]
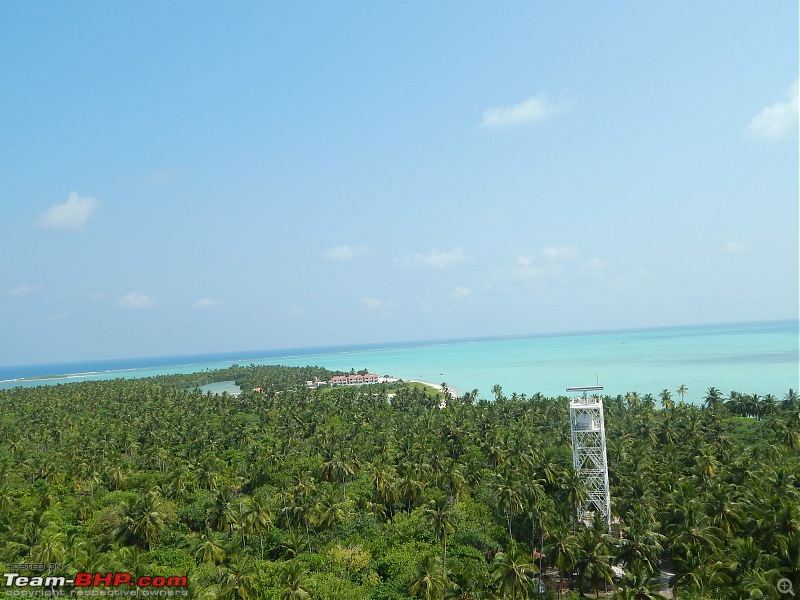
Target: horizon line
[{"x": 308, "y": 350}]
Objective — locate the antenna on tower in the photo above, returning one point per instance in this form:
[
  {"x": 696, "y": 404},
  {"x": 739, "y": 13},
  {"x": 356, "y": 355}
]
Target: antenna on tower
[{"x": 589, "y": 451}]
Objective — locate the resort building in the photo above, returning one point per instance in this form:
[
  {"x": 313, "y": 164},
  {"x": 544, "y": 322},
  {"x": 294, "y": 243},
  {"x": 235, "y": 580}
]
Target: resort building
[{"x": 354, "y": 379}]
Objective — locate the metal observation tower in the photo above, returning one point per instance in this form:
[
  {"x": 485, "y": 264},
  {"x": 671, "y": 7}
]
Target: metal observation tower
[{"x": 589, "y": 451}]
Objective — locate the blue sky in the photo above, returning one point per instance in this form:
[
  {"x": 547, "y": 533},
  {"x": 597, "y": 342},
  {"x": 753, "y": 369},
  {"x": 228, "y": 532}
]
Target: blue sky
[{"x": 187, "y": 178}]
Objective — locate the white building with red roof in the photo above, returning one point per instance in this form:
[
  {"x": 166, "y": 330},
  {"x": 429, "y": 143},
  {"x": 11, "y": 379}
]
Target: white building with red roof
[{"x": 355, "y": 379}]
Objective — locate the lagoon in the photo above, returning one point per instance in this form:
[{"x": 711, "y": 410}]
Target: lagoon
[{"x": 220, "y": 387}]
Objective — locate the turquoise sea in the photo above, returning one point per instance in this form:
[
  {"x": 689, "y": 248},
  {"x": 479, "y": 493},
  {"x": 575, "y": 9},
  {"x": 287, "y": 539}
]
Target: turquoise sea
[{"x": 760, "y": 358}]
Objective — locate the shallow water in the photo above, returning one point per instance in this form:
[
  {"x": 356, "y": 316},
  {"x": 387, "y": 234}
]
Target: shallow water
[
  {"x": 758, "y": 358},
  {"x": 219, "y": 387}
]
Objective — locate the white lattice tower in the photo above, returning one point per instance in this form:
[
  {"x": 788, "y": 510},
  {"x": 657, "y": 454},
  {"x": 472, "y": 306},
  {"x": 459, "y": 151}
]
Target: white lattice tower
[{"x": 589, "y": 451}]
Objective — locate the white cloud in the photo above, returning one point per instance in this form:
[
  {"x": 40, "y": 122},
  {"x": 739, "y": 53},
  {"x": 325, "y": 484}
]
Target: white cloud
[
  {"x": 343, "y": 252},
  {"x": 371, "y": 303},
  {"x": 461, "y": 292},
  {"x": 24, "y": 290},
  {"x": 72, "y": 214},
  {"x": 520, "y": 276},
  {"x": 553, "y": 253},
  {"x": 441, "y": 260},
  {"x": 560, "y": 252},
  {"x": 434, "y": 259},
  {"x": 549, "y": 262},
  {"x": 534, "y": 271},
  {"x": 595, "y": 266},
  {"x": 733, "y": 247},
  {"x": 778, "y": 120},
  {"x": 525, "y": 261},
  {"x": 206, "y": 303},
  {"x": 534, "y": 109},
  {"x": 135, "y": 300}
]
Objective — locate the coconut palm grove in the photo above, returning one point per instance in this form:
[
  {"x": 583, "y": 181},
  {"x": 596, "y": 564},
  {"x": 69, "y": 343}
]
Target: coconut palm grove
[{"x": 393, "y": 491}]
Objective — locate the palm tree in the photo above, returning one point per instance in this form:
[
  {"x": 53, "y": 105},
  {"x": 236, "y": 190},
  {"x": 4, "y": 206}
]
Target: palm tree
[
  {"x": 237, "y": 581},
  {"x": 541, "y": 511},
  {"x": 203, "y": 592},
  {"x": 789, "y": 558},
  {"x": 790, "y": 400},
  {"x": 208, "y": 478},
  {"x": 693, "y": 540},
  {"x": 384, "y": 481},
  {"x": 713, "y": 399},
  {"x": 223, "y": 513},
  {"x": 454, "y": 478},
  {"x": 445, "y": 392},
  {"x": 292, "y": 581},
  {"x": 332, "y": 511},
  {"x": 498, "y": 393},
  {"x": 130, "y": 559},
  {"x": 641, "y": 549},
  {"x": 784, "y": 434},
  {"x": 637, "y": 585},
  {"x": 573, "y": 489},
  {"x": 429, "y": 581},
  {"x": 766, "y": 405},
  {"x": 510, "y": 500},
  {"x": 593, "y": 561},
  {"x": 85, "y": 556},
  {"x": 210, "y": 548},
  {"x": 50, "y": 548},
  {"x": 303, "y": 508},
  {"x": 440, "y": 514},
  {"x": 745, "y": 560},
  {"x": 750, "y": 405},
  {"x": 703, "y": 582},
  {"x": 666, "y": 400},
  {"x": 512, "y": 573},
  {"x": 142, "y": 520},
  {"x": 258, "y": 519},
  {"x": 117, "y": 476},
  {"x": 725, "y": 511},
  {"x": 293, "y": 544},
  {"x": 562, "y": 553},
  {"x": 179, "y": 482},
  {"x": 707, "y": 463},
  {"x": 682, "y": 391},
  {"x": 340, "y": 466},
  {"x": 632, "y": 398},
  {"x": 410, "y": 488}
]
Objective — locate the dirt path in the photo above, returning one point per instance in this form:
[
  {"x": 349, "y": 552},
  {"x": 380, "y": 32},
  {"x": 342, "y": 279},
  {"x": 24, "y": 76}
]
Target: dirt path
[{"x": 665, "y": 574}]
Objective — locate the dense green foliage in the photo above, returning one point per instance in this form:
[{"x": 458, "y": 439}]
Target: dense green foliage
[{"x": 351, "y": 493}]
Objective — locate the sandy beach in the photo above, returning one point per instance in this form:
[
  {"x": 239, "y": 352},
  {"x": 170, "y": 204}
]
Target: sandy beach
[{"x": 451, "y": 392}]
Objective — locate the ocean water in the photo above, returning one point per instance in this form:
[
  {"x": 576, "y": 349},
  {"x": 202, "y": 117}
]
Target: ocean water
[{"x": 762, "y": 358}]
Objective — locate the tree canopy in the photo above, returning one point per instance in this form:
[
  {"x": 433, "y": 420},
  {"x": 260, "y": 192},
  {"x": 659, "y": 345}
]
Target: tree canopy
[{"x": 370, "y": 492}]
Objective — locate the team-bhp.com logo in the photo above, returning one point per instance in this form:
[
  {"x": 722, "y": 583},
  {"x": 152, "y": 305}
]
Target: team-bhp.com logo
[{"x": 95, "y": 584}]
